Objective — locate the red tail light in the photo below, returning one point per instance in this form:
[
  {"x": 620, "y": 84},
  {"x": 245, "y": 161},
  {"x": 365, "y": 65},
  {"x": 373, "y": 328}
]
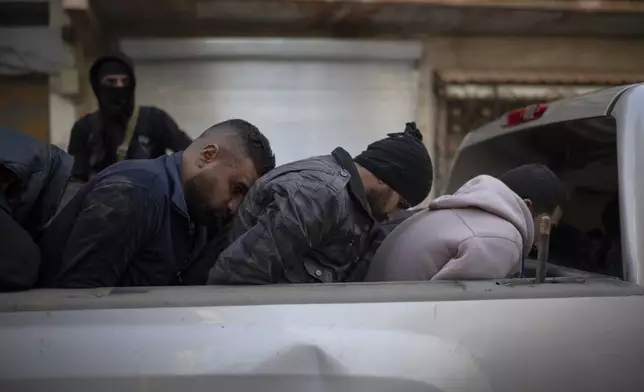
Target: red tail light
[{"x": 523, "y": 115}]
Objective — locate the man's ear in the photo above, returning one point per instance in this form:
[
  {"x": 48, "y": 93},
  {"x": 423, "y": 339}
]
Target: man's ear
[
  {"x": 528, "y": 203},
  {"x": 208, "y": 154}
]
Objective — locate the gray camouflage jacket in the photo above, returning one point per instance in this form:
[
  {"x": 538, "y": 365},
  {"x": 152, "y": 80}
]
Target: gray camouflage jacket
[{"x": 304, "y": 222}]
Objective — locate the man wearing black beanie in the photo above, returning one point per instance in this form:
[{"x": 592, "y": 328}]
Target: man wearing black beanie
[
  {"x": 402, "y": 163},
  {"x": 310, "y": 221}
]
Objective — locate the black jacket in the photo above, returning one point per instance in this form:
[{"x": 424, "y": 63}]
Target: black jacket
[
  {"x": 304, "y": 222},
  {"x": 38, "y": 174},
  {"x": 128, "y": 226},
  {"x": 94, "y": 149},
  {"x": 154, "y": 133},
  {"x": 42, "y": 172}
]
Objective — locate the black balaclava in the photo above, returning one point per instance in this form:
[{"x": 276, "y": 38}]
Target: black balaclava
[
  {"x": 116, "y": 103},
  {"x": 402, "y": 162}
]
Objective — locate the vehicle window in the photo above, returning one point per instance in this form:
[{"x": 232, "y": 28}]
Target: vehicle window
[{"x": 584, "y": 154}]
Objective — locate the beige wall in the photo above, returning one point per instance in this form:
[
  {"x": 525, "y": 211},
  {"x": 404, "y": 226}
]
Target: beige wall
[
  {"x": 62, "y": 113},
  {"x": 531, "y": 55},
  {"x": 538, "y": 54},
  {"x": 70, "y": 93},
  {"x": 24, "y": 104}
]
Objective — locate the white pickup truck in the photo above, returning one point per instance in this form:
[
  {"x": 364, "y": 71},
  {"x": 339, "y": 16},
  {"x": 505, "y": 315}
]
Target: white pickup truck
[{"x": 578, "y": 331}]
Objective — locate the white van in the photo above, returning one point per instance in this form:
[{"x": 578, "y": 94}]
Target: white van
[{"x": 579, "y": 331}]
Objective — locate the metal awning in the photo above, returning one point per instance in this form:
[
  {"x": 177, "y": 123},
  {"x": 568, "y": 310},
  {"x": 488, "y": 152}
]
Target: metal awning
[{"x": 536, "y": 77}]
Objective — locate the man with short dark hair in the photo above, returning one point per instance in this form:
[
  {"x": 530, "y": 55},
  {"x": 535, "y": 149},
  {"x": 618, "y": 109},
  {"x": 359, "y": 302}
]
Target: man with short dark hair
[
  {"x": 480, "y": 232},
  {"x": 119, "y": 129},
  {"x": 139, "y": 222},
  {"x": 540, "y": 188},
  {"x": 310, "y": 221}
]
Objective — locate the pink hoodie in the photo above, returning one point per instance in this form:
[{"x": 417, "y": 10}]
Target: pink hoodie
[{"x": 479, "y": 232}]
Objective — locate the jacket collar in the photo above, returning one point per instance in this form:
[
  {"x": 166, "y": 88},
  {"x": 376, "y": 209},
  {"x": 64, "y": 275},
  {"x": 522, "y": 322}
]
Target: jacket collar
[
  {"x": 173, "y": 168},
  {"x": 356, "y": 187}
]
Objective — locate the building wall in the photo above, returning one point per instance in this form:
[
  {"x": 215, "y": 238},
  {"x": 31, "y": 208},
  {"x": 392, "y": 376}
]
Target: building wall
[
  {"x": 62, "y": 117},
  {"x": 65, "y": 87},
  {"x": 27, "y": 56},
  {"x": 532, "y": 56},
  {"x": 536, "y": 54},
  {"x": 24, "y": 104}
]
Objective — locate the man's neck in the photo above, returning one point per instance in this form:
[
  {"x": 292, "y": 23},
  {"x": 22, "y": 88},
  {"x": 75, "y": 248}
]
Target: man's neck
[
  {"x": 184, "y": 168},
  {"x": 366, "y": 176}
]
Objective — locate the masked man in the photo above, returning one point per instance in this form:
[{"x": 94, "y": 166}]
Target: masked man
[{"x": 119, "y": 129}]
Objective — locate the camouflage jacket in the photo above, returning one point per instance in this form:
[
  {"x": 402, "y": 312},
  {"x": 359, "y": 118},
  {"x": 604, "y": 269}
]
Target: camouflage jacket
[{"x": 304, "y": 222}]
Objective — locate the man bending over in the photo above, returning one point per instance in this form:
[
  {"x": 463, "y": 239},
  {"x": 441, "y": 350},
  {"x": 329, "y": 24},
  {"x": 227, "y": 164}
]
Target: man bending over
[
  {"x": 139, "y": 222},
  {"x": 480, "y": 232}
]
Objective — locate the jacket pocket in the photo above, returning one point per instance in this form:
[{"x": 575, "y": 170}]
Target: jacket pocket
[{"x": 318, "y": 272}]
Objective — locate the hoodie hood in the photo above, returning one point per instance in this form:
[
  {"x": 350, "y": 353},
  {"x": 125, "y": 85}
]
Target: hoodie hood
[
  {"x": 489, "y": 194},
  {"x": 96, "y": 67},
  {"x": 116, "y": 103}
]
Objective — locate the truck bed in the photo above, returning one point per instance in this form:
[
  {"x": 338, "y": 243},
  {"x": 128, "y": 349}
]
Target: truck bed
[{"x": 569, "y": 334}]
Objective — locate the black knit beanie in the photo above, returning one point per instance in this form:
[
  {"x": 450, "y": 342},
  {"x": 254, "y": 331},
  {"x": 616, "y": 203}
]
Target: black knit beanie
[{"x": 402, "y": 162}]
